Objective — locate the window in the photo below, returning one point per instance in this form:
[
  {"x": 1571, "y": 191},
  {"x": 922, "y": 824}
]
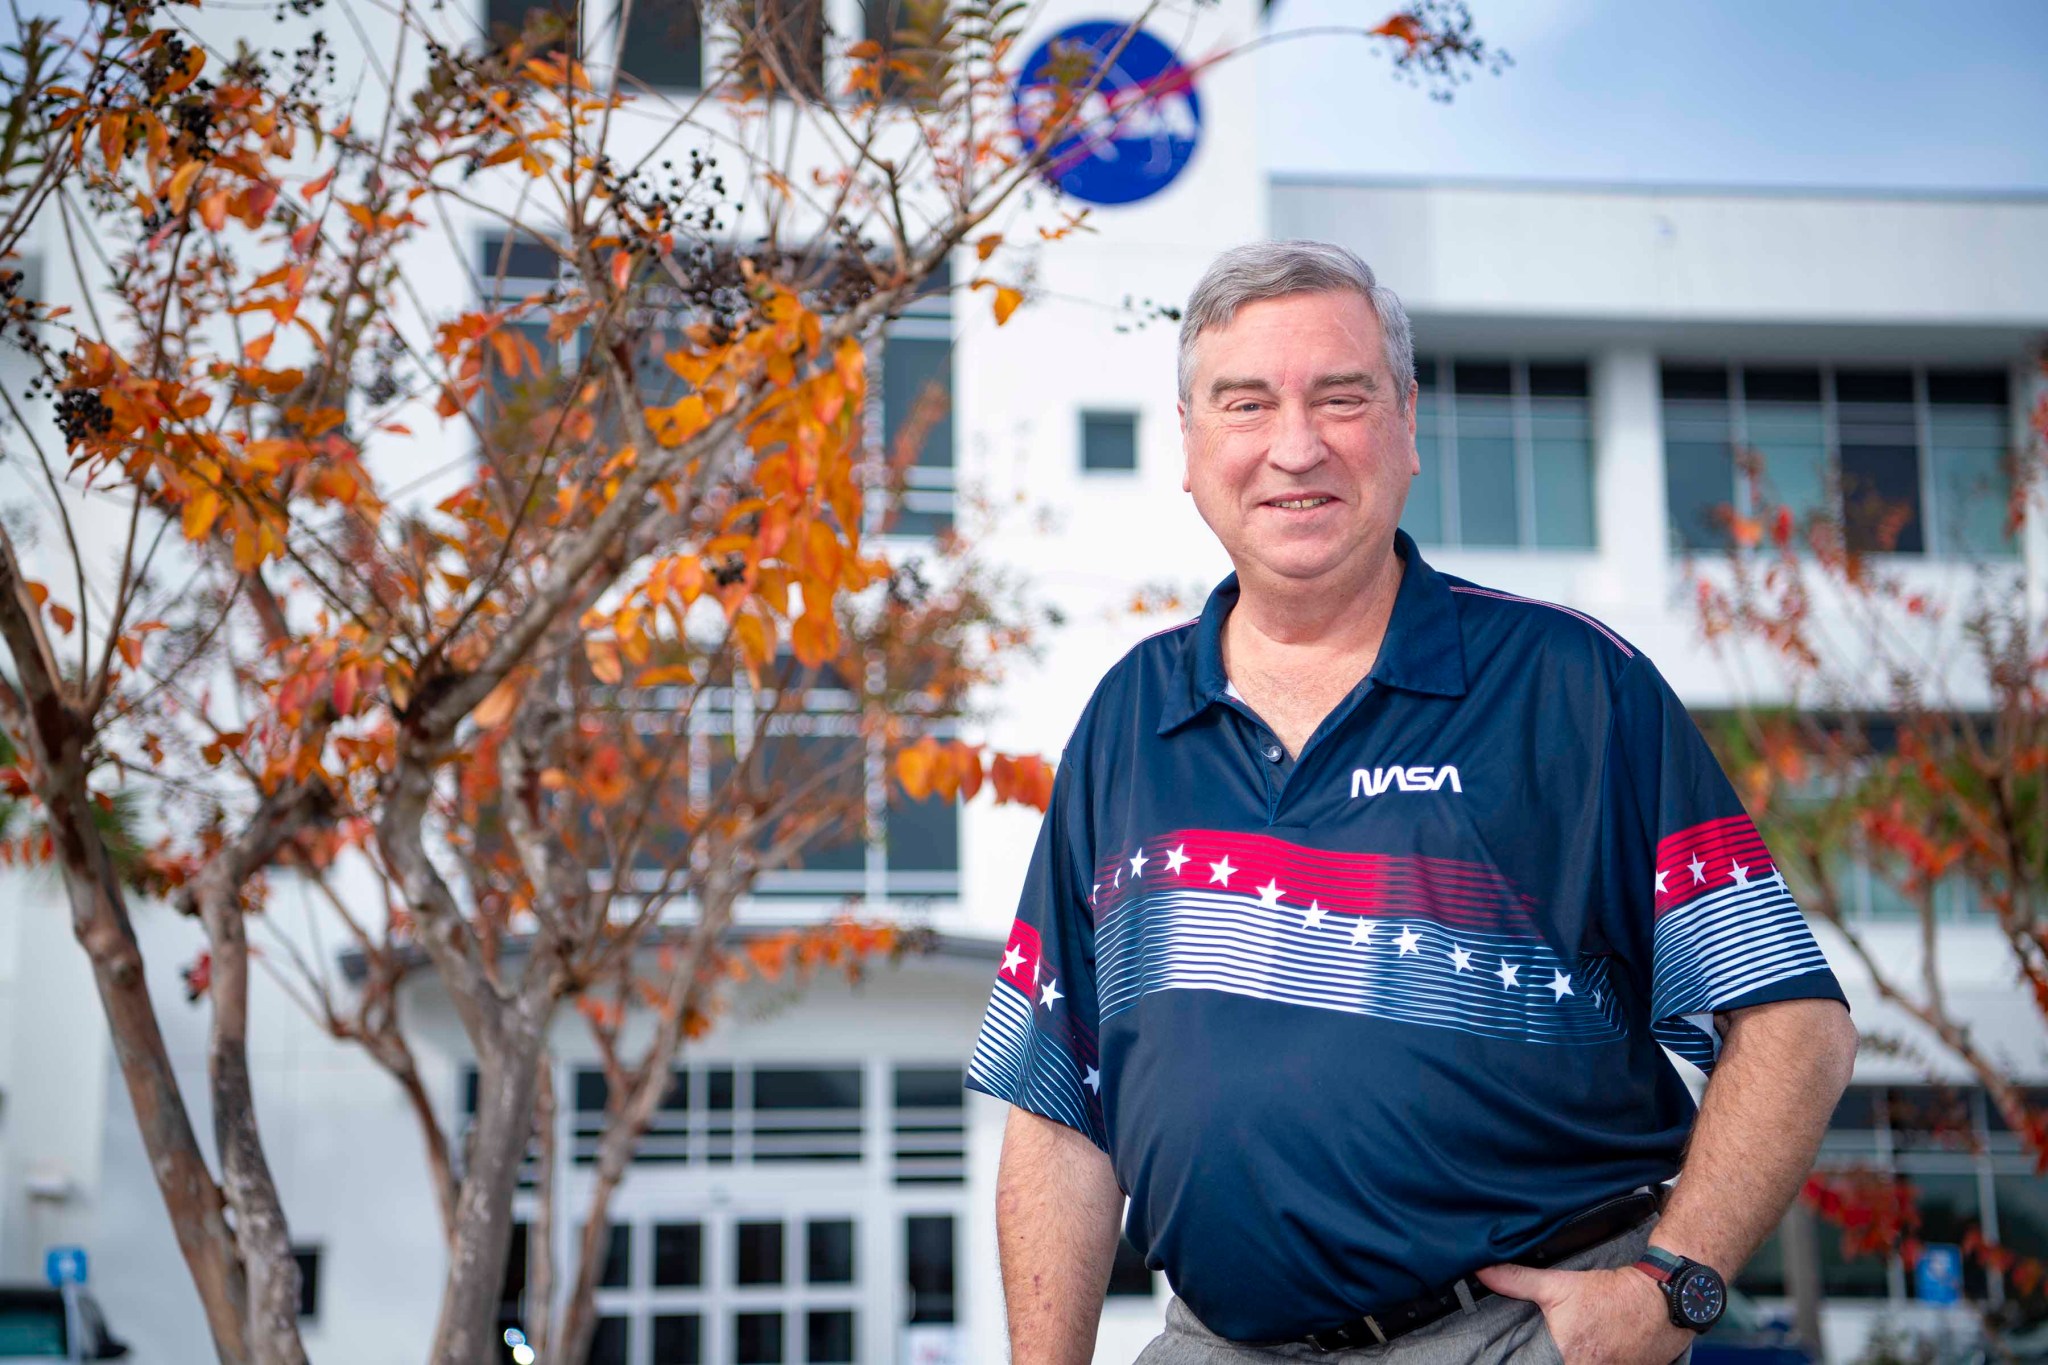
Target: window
[
  {"x": 678, "y": 1339},
  {"x": 757, "y": 1254},
  {"x": 554, "y": 20},
  {"x": 917, "y": 413},
  {"x": 782, "y": 47},
  {"x": 928, "y": 1259},
  {"x": 931, "y": 1126},
  {"x": 1109, "y": 442},
  {"x": 917, "y": 42},
  {"x": 664, "y": 45},
  {"x": 714, "y": 1115},
  {"x": 1905, "y": 460},
  {"x": 1507, "y": 455},
  {"x": 829, "y": 1258},
  {"x": 308, "y": 1259},
  {"x": 678, "y": 1255},
  {"x": 608, "y": 1346},
  {"x": 1965, "y": 1172}
]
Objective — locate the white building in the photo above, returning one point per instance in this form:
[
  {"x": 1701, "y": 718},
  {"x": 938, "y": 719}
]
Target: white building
[{"x": 824, "y": 1191}]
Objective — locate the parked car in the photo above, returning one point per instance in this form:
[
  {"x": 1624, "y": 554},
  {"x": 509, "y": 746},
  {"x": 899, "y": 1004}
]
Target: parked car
[{"x": 35, "y": 1330}]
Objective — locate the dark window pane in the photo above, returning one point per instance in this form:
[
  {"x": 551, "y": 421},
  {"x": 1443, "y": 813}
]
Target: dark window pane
[
  {"x": 618, "y": 1257},
  {"x": 608, "y": 1343},
  {"x": 1482, "y": 377},
  {"x": 923, "y": 836},
  {"x": 308, "y": 1259},
  {"x": 678, "y": 1255},
  {"x": 1694, "y": 381},
  {"x": 828, "y": 1337},
  {"x": 758, "y": 1258},
  {"x": 1843, "y": 1276},
  {"x": 1986, "y": 388},
  {"x": 678, "y": 1339},
  {"x": 1699, "y": 489},
  {"x": 1557, "y": 381},
  {"x": 664, "y": 44},
  {"x": 1858, "y": 1108},
  {"x": 1763, "y": 1275},
  {"x": 2022, "y": 1214},
  {"x": 1764, "y": 385},
  {"x": 917, "y": 397},
  {"x": 676, "y": 1099},
  {"x": 1931, "y": 1117},
  {"x": 930, "y": 1087},
  {"x": 1129, "y": 1277},
  {"x": 806, "y": 1088},
  {"x": 928, "y": 1252},
  {"x": 782, "y": 47},
  {"x": 757, "y": 1338},
  {"x": 513, "y": 1289},
  {"x": 1881, "y": 498},
  {"x": 590, "y": 1092},
  {"x": 1873, "y": 386},
  {"x": 1109, "y": 441},
  {"x": 829, "y": 1259},
  {"x": 1949, "y": 1211},
  {"x": 1425, "y": 372},
  {"x": 718, "y": 1088},
  {"x": 1488, "y": 512},
  {"x": 517, "y": 258},
  {"x": 553, "y": 21}
]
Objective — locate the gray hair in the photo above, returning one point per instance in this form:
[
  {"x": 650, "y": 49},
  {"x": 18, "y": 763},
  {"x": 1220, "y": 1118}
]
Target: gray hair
[{"x": 1271, "y": 270}]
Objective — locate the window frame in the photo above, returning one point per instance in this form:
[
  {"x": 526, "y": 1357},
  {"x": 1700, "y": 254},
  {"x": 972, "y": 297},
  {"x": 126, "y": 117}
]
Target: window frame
[{"x": 1442, "y": 393}]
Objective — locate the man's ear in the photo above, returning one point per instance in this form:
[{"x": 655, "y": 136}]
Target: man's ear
[
  {"x": 1187, "y": 481},
  {"x": 1414, "y": 451}
]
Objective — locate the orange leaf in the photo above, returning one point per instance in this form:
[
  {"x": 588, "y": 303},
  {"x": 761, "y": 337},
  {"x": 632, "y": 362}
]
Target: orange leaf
[
  {"x": 1007, "y": 300},
  {"x": 914, "y": 771},
  {"x": 495, "y": 709},
  {"x": 181, "y": 184},
  {"x": 312, "y": 188},
  {"x": 985, "y": 247},
  {"x": 213, "y": 210},
  {"x": 604, "y": 660},
  {"x": 622, "y": 268},
  {"x": 201, "y": 510},
  {"x": 36, "y": 591},
  {"x": 63, "y": 617}
]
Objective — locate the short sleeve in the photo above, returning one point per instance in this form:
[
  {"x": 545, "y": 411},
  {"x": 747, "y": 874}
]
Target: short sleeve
[
  {"x": 1037, "y": 1047},
  {"x": 1723, "y": 929}
]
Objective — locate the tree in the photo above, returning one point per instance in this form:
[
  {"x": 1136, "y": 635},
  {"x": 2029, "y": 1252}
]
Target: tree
[
  {"x": 1906, "y": 741},
  {"x": 532, "y": 720}
]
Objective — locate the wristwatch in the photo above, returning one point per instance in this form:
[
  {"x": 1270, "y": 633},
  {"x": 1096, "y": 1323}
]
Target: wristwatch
[{"x": 1694, "y": 1293}]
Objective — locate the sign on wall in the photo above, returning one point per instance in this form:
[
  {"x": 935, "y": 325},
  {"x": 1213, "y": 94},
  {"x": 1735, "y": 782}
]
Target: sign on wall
[{"x": 1137, "y": 127}]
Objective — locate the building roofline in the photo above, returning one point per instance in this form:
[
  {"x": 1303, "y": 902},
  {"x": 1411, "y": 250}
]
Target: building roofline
[{"x": 1651, "y": 189}]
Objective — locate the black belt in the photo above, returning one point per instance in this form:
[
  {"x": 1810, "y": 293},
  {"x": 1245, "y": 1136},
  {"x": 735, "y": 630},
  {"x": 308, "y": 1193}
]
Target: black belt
[{"x": 1601, "y": 1223}]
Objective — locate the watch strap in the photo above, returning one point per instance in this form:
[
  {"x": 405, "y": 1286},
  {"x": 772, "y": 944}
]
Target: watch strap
[{"x": 1659, "y": 1264}]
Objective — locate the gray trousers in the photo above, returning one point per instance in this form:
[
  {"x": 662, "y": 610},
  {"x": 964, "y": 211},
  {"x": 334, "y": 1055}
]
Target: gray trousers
[{"x": 1495, "y": 1331}]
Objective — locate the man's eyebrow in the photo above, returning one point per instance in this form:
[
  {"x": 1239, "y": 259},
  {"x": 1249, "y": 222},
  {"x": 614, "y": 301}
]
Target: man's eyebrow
[
  {"x": 1223, "y": 384},
  {"x": 1349, "y": 379}
]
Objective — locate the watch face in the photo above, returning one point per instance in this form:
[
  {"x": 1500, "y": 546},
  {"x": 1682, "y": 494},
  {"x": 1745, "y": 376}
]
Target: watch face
[{"x": 1701, "y": 1297}]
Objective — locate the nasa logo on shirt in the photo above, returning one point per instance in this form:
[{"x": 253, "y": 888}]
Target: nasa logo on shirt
[{"x": 1137, "y": 127}]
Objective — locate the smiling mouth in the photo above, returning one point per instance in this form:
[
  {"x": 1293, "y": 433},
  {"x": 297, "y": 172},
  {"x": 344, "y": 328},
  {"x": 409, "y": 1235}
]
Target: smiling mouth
[{"x": 1297, "y": 504}]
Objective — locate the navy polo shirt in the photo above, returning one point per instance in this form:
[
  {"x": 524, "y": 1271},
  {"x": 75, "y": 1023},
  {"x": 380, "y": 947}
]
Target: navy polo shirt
[{"x": 1354, "y": 1024}]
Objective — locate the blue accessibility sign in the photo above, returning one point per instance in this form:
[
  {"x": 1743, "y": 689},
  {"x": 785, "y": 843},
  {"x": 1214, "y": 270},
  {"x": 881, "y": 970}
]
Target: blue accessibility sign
[
  {"x": 1134, "y": 125},
  {"x": 64, "y": 1265},
  {"x": 1938, "y": 1274}
]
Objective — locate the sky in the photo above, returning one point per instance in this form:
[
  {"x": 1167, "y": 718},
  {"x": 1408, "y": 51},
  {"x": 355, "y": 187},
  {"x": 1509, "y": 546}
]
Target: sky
[{"x": 1885, "y": 94}]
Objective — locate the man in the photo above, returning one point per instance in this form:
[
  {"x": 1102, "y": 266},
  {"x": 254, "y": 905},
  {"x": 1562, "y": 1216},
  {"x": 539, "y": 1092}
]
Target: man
[{"x": 1364, "y": 909}]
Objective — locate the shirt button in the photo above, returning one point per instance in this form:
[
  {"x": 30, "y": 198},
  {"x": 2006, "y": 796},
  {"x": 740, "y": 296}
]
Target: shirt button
[{"x": 1273, "y": 753}]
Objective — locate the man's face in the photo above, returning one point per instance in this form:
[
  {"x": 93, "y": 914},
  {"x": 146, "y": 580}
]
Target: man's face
[{"x": 1299, "y": 450}]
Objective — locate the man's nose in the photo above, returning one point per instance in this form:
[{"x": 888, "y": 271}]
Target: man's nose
[{"x": 1297, "y": 445}]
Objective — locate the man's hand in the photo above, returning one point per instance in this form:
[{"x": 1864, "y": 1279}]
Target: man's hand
[{"x": 1597, "y": 1317}]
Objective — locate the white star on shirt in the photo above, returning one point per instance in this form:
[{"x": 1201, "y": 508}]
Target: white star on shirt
[
  {"x": 1699, "y": 870},
  {"x": 1221, "y": 872},
  {"x": 1176, "y": 858},
  {"x": 1269, "y": 894},
  {"x": 1119, "y": 878},
  {"x": 1095, "y": 892},
  {"x": 1661, "y": 888},
  {"x": 1560, "y": 985},
  {"x": 1361, "y": 932},
  {"x": 1051, "y": 993},
  {"x": 1138, "y": 861},
  {"x": 1507, "y": 974},
  {"x": 1738, "y": 872},
  {"x": 1408, "y": 939},
  {"x": 1314, "y": 918},
  {"x": 1013, "y": 960},
  {"x": 1093, "y": 1080},
  {"x": 1460, "y": 959}
]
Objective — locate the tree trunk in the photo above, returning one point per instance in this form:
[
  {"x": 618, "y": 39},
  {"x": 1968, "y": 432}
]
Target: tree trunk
[
  {"x": 99, "y": 918},
  {"x": 261, "y": 1232},
  {"x": 466, "y": 1333}
]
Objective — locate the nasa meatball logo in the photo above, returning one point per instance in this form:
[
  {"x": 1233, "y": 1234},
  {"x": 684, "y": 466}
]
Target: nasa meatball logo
[{"x": 1136, "y": 129}]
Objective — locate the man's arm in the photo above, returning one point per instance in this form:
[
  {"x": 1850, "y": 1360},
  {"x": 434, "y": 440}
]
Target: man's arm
[
  {"x": 1782, "y": 1069},
  {"x": 1058, "y": 1216}
]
